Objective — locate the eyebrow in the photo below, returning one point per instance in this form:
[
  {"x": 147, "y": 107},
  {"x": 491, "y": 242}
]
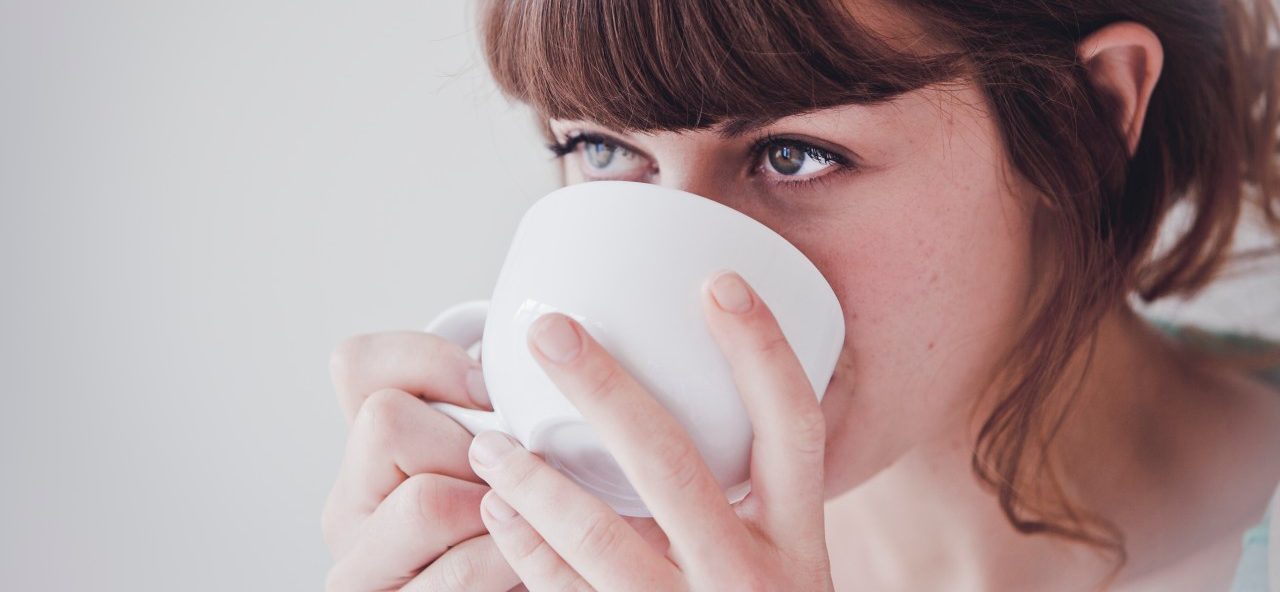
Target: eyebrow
[{"x": 743, "y": 125}]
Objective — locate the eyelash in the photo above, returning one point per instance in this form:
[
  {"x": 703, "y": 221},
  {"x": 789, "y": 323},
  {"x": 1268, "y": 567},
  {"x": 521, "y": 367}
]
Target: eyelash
[
  {"x": 571, "y": 143},
  {"x": 757, "y": 151},
  {"x": 842, "y": 164}
]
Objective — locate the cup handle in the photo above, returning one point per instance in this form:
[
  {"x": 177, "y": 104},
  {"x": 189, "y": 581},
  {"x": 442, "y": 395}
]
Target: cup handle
[{"x": 463, "y": 324}]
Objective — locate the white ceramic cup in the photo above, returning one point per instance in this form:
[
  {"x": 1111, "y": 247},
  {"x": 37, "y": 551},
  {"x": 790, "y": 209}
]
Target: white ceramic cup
[{"x": 627, "y": 261}]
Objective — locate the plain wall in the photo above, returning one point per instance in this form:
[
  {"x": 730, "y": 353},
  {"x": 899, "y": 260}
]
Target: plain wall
[{"x": 198, "y": 201}]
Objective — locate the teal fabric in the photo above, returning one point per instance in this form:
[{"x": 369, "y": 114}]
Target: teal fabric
[{"x": 1252, "y": 570}]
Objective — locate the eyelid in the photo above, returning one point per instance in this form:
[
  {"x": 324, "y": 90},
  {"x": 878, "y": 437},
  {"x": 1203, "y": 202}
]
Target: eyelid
[
  {"x": 610, "y": 139},
  {"x": 839, "y": 152}
]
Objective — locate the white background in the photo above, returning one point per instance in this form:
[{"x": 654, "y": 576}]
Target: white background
[{"x": 198, "y": 201}]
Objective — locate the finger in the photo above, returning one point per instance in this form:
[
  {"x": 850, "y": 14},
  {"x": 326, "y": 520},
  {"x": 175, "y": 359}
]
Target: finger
[
  {"x": 649, "y": 530},
  {"x": 789, "y": 440},
  {"x": 474, "y": 565},
  {"x": 584, "y": 531},
  {"x": 535, "y": 561},
  {"x": 395, "y": 435},
  {"x": 418, "y": 363},
  {"x": 655, "y": 453},
  {"x": 410, "y": 529}
]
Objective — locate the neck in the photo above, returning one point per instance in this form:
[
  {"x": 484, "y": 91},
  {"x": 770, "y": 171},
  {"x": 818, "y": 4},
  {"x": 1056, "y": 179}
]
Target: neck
[{"x": 927, "y": 522}]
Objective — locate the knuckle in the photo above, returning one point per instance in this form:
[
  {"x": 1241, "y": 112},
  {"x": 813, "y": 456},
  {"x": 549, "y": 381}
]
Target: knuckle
[
  {"x": 605, "y": 380},
  {"x": 601, "y": 537},
  {"x": 773, "y": 344},
  {"x": 460, "y": 570},
  {"x": 426, "y": 500},
  {"x": 535, "y": 553},
  {"x": 518, "y": 472},
  {"x": 379, "y": 417},
  {"x": 679, "y": 463},
  {"x": 445, "y": 502},
  {"x": 810, "y": 431}
]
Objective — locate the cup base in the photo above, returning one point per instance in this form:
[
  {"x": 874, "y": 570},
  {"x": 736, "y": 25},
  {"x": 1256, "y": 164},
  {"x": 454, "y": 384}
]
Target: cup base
[{"x": 572, "y": 448}]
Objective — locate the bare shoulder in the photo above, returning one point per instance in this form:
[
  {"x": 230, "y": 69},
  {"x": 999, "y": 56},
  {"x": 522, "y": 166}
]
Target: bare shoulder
[
  {"x": 1256, "y": 406},
  {"x": 1248, "y": 435},
  {"x": 1235, "y": 384},
  {"x": 1230, "y": 446},
  {"x": 1219, "y": 408}
]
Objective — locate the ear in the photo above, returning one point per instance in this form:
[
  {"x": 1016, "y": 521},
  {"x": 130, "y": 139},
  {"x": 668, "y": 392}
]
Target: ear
[{"x": 1124, "y": 60}]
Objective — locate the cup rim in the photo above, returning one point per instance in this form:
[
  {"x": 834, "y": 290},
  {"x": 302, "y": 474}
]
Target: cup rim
[{"x": 680, "y": 197}]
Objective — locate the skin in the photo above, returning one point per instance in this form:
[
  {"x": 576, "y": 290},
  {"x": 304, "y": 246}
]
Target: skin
[{"x": 929, "y": 246}]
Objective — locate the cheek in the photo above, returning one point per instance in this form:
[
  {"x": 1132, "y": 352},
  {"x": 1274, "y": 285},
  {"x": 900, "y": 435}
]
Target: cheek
[
  {"x": 932, "y": 275},
  {"x": 932, "y": 285}
]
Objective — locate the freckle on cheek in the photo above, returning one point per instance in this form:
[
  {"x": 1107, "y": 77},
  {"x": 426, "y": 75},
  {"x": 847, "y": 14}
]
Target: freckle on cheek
[{"x": 930, "y": 345}]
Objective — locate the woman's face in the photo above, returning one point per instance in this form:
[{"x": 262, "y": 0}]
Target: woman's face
[{"x": 905, "y": 208}]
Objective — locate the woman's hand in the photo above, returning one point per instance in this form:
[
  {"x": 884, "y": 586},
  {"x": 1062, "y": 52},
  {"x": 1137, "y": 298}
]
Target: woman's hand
[
  {"x": 405, "y": 510},
  {"x": 559, "y": 537}
]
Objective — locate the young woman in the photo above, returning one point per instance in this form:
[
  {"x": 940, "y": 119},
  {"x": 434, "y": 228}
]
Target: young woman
[{"x": 981, "y": 182}]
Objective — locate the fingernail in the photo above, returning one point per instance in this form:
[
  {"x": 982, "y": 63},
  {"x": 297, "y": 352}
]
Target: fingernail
[
  {"x": 489, "y": 447},
  {"x": 556, "y": 339},
  {"x": 475, "y": 388},
  {"x": 498, "y": 508},
  {"x": 730, "y": 292}
]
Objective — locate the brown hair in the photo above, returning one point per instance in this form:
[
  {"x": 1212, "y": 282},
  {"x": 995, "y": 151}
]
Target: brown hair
[{"x": 1209, "y": 140}]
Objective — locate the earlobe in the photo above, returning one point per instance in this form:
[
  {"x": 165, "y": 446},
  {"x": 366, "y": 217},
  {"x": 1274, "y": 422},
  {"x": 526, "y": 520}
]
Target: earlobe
[{"x": 1124, "y": 59}]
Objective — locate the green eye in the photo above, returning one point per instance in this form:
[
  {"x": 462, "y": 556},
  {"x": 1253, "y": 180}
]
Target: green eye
[
  {"x": 600, "y": 157},
  {"x": 598, "y": 154}
]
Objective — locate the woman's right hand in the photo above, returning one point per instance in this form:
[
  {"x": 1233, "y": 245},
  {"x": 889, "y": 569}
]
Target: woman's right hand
[{"x": 404, "y": 513}]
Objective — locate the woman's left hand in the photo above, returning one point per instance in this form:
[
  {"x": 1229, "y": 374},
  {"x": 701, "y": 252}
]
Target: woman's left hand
[{"x": 559, "y": 537}]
